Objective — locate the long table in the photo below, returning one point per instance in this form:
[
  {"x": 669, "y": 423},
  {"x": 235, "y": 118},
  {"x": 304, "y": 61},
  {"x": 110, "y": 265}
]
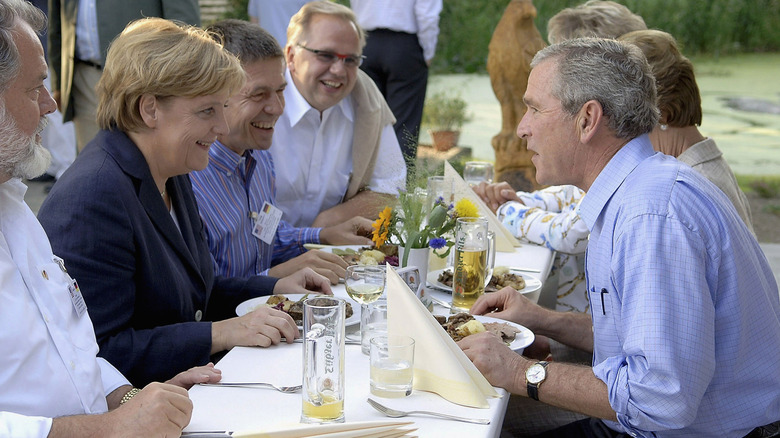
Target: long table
[{"x": 234, "y": 409}]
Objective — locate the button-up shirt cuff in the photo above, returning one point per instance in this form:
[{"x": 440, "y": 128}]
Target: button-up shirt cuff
[{"x": 22, "y": 426}]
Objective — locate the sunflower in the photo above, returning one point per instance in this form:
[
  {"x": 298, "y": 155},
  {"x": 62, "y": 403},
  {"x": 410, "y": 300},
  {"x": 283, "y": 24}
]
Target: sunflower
[{"x": 381, "y": 227}]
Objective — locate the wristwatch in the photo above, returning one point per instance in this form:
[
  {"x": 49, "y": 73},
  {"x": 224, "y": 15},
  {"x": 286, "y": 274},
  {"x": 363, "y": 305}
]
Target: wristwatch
[{"x": 534, "y": 376}]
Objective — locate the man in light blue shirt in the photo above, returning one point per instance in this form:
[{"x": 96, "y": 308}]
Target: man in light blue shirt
[{"x": 681, "y": 297}]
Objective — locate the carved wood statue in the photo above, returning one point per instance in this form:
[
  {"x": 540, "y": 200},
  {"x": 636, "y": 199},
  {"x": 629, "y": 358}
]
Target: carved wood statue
[{"x": 514, "y": 43}]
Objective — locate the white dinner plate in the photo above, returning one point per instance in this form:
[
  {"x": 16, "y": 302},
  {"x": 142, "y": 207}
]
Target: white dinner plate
[
  {"x": 250, "y": 305},
  {"x": 523, "y": 339},
  {"x": 532, "y": 284}
]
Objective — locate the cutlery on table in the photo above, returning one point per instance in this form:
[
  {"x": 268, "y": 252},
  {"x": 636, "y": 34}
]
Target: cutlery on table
[
  {"x": 347, "y": 341},
  {"x": 393, "y": 413},
  {"x": 284, "y": 389},
  {"x": 516, "y": 268},
  {"x": 440, "y": 302}
]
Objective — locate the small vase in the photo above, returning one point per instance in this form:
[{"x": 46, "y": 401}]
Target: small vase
[{"x": 417, "y": 257}]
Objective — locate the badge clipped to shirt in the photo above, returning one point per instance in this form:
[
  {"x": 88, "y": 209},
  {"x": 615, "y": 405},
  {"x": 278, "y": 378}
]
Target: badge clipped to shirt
[
  {"x": 266, "y": 222},
  {"x": 73, "y": 289}
]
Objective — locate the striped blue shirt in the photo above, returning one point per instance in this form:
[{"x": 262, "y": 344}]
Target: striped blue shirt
[
  {"x": 686, "y": 314},
  {"x": 230, "y": 191}
]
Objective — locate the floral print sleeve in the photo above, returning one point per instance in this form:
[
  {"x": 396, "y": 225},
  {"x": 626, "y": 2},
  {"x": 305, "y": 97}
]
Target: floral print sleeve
[{"x": 548, "y": 217}]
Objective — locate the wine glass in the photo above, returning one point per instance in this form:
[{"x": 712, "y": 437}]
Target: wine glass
[
  {"x": 365, "y": 283},
  {"x": 474, "y": 172}
]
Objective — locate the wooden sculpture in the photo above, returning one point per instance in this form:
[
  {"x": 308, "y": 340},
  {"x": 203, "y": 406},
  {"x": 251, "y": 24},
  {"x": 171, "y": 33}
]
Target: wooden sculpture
[{"x": 514, "y": 43}]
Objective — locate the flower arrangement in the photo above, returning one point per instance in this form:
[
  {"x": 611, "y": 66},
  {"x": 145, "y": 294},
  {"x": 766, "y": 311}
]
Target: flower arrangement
[{"x": 409, "y": 227}]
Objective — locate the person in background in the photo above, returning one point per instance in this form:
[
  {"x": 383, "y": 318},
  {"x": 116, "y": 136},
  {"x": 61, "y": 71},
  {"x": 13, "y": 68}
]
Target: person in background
[
  {"x": 236, "y": 191},
  {"x": 677, "y": 133},
  {"x": 80, "y": 32},
  {"x": 136, "y": 242},
  {"x": 274, "y": 15},
  {"x": 53, "y": 383},
  {"x": 681, "y": 294},
  {"x": 400, "y": 44},
  {"x": 335, "y": 153},
  {"x": 58, "y": 138},
  {"x": 594, "y": 18}
]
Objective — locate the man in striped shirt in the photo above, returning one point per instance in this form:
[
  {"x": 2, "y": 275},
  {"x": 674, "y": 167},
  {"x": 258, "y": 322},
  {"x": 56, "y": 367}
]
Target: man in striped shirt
[{"x": 236, "y": 192}]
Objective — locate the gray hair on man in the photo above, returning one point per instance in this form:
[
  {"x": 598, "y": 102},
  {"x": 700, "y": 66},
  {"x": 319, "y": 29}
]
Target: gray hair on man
[
  {"x": 613, "y": 73},
  {"x": 10, "y": 11},
  {"x": 248, "y": 41}
]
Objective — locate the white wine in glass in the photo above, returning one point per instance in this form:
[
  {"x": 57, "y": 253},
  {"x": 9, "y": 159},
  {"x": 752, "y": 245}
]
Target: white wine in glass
[{"x": 365, "y": 283}]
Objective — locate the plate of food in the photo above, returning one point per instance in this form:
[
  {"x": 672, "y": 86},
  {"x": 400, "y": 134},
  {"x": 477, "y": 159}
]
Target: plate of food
[
  {"x": 364, "y": 255},
  {"x": 502, "y": 277},
  {"x": 291, "y": 304},
  {"x": 462, "y": 325}
]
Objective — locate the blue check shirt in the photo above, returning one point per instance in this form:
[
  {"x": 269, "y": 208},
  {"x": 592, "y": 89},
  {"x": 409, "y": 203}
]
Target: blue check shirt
[
  {"x": 229, "y": 190},
  {"x": 686, "y": 314}
]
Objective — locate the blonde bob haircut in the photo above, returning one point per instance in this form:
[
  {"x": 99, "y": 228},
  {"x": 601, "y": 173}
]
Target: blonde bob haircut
[
  {"x": 299, "y": 23},
  {"x": 158, "y": 57},
  {"x": 594, "y": 18}
]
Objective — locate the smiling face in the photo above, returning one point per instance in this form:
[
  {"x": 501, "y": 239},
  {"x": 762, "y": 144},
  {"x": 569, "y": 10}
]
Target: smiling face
[
  {"x": 253, "y": 112},
  {"x": 324, "y": 84},
  {"x": 550, "y": 132},
  {"x": 26, "y": 101},
  {"x": 183, "y": 130}
]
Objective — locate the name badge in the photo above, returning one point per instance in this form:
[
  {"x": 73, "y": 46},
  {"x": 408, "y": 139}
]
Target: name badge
[
  {"x": 77, "y": 299},
  {"x": 266, "y": 222}
]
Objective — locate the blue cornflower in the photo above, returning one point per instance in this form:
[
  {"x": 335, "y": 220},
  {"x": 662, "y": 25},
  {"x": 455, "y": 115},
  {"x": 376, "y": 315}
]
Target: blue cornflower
[{"x": 437, "y": 243}]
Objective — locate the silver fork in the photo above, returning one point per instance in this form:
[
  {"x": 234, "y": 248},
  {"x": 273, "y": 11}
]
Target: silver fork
[
  {"x": 393, "y": 413},
  {"x": 284, "y": 389}
]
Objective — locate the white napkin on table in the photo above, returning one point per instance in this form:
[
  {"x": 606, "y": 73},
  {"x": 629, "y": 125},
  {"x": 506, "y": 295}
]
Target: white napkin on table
[
  {"x": 440, "y": 366},
  {"x": 505, "y": 241}
]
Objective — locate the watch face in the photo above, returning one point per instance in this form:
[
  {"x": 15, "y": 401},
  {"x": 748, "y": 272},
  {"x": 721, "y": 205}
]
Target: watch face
[{"x": 535, "y": 374}]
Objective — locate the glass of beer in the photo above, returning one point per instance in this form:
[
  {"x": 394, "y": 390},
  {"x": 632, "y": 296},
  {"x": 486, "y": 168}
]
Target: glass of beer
[
  {"x": 323, "y": 360},
  {"x": 474, "y": 259}
]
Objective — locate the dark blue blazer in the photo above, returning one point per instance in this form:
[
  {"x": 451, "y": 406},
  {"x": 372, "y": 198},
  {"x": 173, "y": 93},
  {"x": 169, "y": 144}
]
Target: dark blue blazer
[{"x": 145, "y": 282}]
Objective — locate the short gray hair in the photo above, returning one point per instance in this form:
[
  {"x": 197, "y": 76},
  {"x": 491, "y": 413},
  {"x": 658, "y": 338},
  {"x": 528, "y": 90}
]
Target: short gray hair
[
  {"x": 298, "y": 28},
  {"x": 10, "y": 12},
  {"x": 613, "y": 73},
  {"x": 248, "y": 41},
  {"x": 594, "y": 18}
]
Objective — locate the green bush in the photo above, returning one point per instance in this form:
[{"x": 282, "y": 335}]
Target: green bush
[{"x": 445, "y": 112}]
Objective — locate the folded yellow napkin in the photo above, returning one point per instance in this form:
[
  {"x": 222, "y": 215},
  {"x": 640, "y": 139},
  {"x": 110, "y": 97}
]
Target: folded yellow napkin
[
  {"x": 440, "y": 366},
  {"x": 358, "y": 429},
  {"x": 505, "y": 241}
]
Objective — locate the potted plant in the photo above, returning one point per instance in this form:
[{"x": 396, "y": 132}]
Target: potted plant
[{"x": 444, "y": 114}]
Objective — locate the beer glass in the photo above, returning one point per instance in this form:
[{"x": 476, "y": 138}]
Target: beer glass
[
  {"x": 474, "y": 260},
  {"x": 323, "y": 360}
]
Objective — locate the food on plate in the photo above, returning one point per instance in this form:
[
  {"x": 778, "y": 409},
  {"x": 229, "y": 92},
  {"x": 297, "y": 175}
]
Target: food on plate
[
  {"x": 463, "y": 324},
  {"x": 293, "y": 308},
  {"x": 502, "y": 277},
  {"x": 387, "y": 254}
]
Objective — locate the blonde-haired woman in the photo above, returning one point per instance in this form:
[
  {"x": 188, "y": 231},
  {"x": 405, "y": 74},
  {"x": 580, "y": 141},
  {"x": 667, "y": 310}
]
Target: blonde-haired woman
[{"x": 124, "y": 217}]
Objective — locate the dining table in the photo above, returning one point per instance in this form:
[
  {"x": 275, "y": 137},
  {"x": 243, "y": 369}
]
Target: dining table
[{"x": 226, "y": 409}]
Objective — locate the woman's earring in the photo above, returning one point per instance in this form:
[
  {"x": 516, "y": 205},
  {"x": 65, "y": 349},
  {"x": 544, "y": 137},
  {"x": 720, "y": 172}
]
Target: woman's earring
[{"x": 663, "y": 127}]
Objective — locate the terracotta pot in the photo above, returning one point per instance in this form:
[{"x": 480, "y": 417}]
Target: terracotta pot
[{"x": 444, "y": 140}]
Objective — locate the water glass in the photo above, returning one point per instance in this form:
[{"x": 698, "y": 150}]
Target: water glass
[
  {"x": 373, "y": 322},
  {"x": 323, "y": 360},
  {"x": 474, "y": 259},
  {"x": 392, "y": 366},
  {"x": 474, "y": 172},
  {"x": 438, "y": 187}
]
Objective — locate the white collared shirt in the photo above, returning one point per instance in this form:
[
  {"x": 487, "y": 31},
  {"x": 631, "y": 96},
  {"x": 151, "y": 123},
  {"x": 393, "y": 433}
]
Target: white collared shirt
[
  {"x": 313, "y": 158},
  {"x": 417, "y": 17},
  {"x": 87, "y": 37},
  {"x": 50, "y": 367}
]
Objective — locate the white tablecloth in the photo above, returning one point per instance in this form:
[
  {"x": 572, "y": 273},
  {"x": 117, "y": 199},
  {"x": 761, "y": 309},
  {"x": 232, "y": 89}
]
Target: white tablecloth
[{"x": 254, "y": 409}]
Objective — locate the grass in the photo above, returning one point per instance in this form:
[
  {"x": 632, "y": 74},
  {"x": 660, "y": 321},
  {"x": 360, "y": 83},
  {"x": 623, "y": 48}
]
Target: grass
[{"x": 765, "y": 186}]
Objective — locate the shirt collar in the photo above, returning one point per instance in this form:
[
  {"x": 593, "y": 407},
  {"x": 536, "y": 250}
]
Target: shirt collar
[
  {"x": 227, "y": 161},
  {"x": 612, "y": 176},
  {"x": 296, "y": 106}
]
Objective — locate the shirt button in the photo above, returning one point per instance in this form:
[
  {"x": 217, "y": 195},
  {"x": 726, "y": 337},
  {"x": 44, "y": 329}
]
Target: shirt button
[
  {"x": 72, "y": 365},
  {"x": 198, "y": 315}
]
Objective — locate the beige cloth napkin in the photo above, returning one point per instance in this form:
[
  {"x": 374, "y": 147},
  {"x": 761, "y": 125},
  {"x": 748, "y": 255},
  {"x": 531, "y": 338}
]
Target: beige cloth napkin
[
  {"x": 357, "y": 429},
  {"x": 440, "y": 366},
  {"x": 505, "y": 241}
]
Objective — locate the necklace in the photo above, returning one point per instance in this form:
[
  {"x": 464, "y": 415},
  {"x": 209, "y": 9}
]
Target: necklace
[{"x": 162, "y": 193}]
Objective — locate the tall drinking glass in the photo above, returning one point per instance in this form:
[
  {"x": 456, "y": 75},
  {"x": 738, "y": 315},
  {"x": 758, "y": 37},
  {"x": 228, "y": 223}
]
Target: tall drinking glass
[
  {"x": 474, "y": 258},
  {"x": 365, "y": 284},
  {"x": 323, "y": 360},
  {"x": 474, "y": 172}
]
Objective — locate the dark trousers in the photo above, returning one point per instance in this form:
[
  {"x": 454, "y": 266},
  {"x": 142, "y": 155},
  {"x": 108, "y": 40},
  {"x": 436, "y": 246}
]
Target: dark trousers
[
  {"x": 594, "y": 428},
  {"x": 394, "y": 60}
]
